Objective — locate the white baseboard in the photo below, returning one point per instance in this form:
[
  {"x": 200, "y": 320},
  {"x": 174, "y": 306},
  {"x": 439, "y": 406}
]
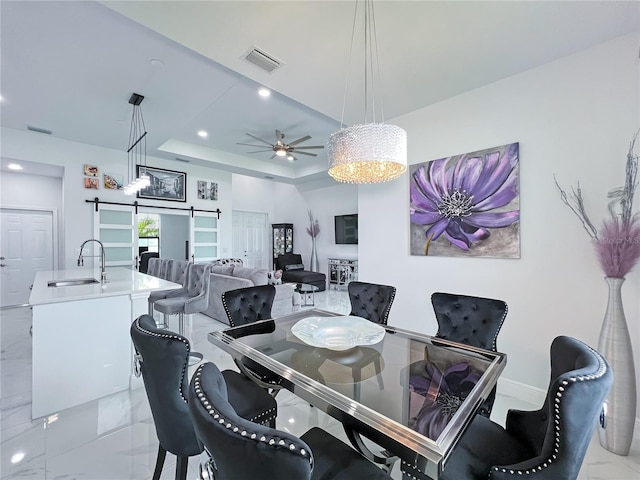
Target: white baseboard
[
  {"x": 521, "y": 391},
  {"x": 536, "y": 396}
]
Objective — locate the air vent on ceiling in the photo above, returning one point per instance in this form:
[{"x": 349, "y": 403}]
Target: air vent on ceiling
[
  {"x": 39, "y": 130},
  {"x": 269, "y": 177},
  {"x": 183, "y": 160},
  {"x": 262, "y": 59}
]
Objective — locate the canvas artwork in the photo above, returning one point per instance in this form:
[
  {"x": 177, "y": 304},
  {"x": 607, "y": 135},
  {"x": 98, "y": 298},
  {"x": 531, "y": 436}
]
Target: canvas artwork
[
  {"x": 467, "y": 205},
  {"x": 113, "y": 181},
  {"x": 207, "y": 190},
  {"x": 90, "y": 182},
  {"x": 90, "y": 170}
]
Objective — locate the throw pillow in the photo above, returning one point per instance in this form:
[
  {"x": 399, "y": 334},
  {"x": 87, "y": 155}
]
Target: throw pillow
[
  {"x": 229, "y": 261},
  {"x": 274, "y": 277},
  {"x": 257, "y": 276},
  {"x": 294, "y": 266},
  {"x": 222, "y": 269}
]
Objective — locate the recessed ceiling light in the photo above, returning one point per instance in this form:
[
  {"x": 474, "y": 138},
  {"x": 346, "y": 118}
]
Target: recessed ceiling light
[
  {"x": 290, "y": 157},
  {"x": 14, "y": 166},
  {"x": 203, "y": 133},
  {"x": 17, "y": 457},
  {"x": 156, "y": 62},
  {"x": 264, "y": 92}
]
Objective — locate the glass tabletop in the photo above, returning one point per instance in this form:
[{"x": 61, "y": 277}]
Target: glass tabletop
[
  {"x": 306, "y": 288},
  {"x": 414, "y": 393}
]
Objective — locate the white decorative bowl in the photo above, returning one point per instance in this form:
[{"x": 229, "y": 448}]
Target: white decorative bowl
[{"x": 338, "y": 333}]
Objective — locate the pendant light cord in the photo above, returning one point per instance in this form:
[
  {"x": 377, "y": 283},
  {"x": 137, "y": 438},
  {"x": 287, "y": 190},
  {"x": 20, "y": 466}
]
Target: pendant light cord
[{"x": 371, "y": 63}]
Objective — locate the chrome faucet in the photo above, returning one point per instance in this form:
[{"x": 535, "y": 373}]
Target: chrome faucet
[{"x": 103, "y": 273}]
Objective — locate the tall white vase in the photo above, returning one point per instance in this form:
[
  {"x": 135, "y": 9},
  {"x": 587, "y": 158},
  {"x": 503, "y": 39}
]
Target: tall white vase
[{"x": 615, "y": 346}]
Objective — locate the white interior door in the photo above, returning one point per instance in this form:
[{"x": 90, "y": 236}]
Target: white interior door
[
  {"x": 250, "y": 238},
  {"x": 27, "y": 246},
  {"x": 204, "y": 237},
  {"x": 116, "y": 227}
]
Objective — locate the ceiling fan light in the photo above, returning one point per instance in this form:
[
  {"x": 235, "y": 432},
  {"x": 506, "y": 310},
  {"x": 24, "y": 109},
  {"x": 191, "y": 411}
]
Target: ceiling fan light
[
  {"x": 367, "y": 153},
  {"x": 281, "y": 152},
  {"x": 290, "y": 157}
]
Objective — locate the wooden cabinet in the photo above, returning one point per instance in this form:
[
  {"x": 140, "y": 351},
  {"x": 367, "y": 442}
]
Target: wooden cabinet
[
  {"x": 282, "y": 239},
  {"x": 342, "y": 271}
]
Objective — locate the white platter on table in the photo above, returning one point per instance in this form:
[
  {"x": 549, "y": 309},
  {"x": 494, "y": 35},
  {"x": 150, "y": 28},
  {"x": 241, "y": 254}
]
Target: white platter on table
[{"x": 338, "y": 333}]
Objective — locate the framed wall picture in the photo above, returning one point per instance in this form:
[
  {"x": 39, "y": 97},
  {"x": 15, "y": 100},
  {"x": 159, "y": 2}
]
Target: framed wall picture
[
  {"x": 165, "y": 184},
  {"x": 90, "y": 182},
  {"x": 207, "y": 190},
  {"x": 90, "y": 170},
  {"x": 113, "y": 181},
  {"x": 467, "y": 205}
]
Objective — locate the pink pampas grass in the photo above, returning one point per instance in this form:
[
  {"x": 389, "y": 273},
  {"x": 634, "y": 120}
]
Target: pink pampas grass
[{"x": 618, "y": 246}]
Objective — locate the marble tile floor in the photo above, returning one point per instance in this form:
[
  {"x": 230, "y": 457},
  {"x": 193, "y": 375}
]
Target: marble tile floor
[{"x": 114, "y": 438}]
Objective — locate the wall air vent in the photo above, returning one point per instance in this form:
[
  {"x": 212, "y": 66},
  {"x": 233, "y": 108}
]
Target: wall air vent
[
  {"x": 39, "y": 130},
  {"x": 262, "y": 59}
]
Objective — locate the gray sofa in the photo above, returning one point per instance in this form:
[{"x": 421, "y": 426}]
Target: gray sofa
[{"x": 229, "y": 277}]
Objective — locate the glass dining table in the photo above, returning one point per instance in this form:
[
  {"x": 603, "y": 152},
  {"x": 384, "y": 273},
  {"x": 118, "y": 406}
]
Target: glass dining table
[{"x": 411, "y": 394}]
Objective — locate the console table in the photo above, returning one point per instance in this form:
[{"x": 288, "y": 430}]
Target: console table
[{"x": 342, "y": 271}]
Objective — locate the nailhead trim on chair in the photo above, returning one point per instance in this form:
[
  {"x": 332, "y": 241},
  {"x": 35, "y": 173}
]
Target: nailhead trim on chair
[
  {"x": 495, "y": 338},
  {"x": 175, "y": 337},
  {"x": 556, "y": 448},
  {"x": 234, "y": 428}
]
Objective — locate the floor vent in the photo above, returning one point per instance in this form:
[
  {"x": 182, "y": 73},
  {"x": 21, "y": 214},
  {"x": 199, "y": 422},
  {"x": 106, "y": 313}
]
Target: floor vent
[
  {"x": 39, "y": 130},
  {"x": 263, "y": 60}
]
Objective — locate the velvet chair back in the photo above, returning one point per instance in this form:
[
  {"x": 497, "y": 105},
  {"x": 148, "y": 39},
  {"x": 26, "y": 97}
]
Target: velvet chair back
[
  {"x": 240, "y": 449},
  {"x": 248, "y": 305},
  {"x": 474, "y": 321},
  {"x": 153, "y": 267},
  {"x": 163, "y": 360},
  {"x": 144, "y": 261},
  {"x": 559, "y": 433},
  {"x": 371, "y": 301}
]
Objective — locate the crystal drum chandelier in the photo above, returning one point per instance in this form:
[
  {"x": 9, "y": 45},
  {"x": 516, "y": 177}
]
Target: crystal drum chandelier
[
  {"x": 369, "y": 152},
  {"x": 137, "y": 149}
]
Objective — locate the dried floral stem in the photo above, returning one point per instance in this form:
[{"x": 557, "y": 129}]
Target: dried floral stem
[{"x": 576, "y": 203}]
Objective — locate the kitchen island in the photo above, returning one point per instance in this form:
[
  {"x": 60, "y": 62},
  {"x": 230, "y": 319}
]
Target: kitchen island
[{"x": 81, "y": 345}]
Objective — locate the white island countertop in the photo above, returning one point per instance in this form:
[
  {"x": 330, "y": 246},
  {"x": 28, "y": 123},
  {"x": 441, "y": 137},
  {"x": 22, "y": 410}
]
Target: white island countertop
[{"x": 120, "y": 281}]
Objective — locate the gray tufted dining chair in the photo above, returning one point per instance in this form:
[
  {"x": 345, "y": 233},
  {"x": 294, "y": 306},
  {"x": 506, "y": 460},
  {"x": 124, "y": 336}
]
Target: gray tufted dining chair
[
  {"x": 192, "y": 298},
  {"x": 545, "y": 444},
  {"x": 162, "y": 360},
  {"x": 243, "y": 450},
  {"x": 474, "y": 321},
  {"x": 178, "y": 273},
  {"x": 371, "y": 301}
]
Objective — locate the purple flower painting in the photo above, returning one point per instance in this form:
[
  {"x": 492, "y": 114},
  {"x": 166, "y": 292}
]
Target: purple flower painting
[{"x": 467, "y": 205}]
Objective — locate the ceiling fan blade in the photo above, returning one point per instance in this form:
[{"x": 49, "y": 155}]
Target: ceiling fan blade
[
  {"x": 300, "y": 152},
  {"x": 249, "y": 144},
  {"x": 260, "y": 151},
  {"x": 303, "y": 147},
  {"x": 260, "y": 139},
  {"x": 272, "y": 156},
  {"x": 301, "y": 139},
  {"x": 279, "y": 136}
]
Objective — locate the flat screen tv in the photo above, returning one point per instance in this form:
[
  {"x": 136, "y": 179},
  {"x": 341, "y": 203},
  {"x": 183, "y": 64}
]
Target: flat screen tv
[{"x": 347, "y": 229}]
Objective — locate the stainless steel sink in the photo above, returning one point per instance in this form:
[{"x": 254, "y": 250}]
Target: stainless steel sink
[{"x": 72, "y": 282}]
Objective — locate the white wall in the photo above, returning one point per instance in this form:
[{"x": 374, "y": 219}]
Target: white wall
[
  {"x": 78, "y": 223},
  {"x": 573, "y": 118}
]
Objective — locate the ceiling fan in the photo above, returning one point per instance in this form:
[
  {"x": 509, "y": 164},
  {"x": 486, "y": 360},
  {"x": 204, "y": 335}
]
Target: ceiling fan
[{"x": 282, "y": 149}]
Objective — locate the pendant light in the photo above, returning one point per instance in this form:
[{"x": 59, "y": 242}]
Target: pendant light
[
  {"x": 369, "y": 152},
  {"x": 137, "y": 149}
]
